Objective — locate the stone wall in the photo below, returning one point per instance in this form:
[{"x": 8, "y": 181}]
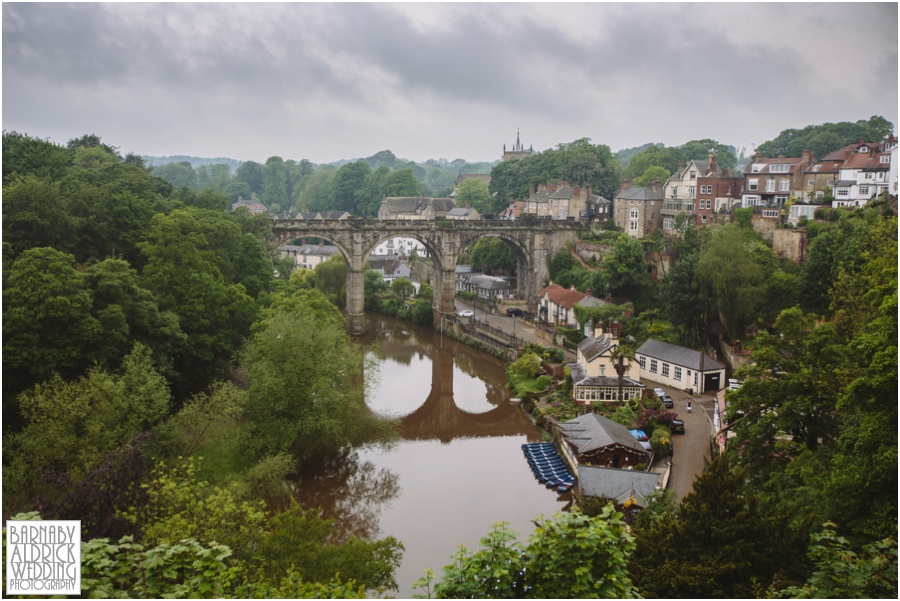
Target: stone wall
[
  {"x": 765, "y": 227},
  {"x": 790, "y": 245},
  {"x": 590, "y": 250},
  {"x": 423, "y": 272}
]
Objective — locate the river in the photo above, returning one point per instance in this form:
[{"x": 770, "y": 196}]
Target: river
[{"x": 458, "y": 467}]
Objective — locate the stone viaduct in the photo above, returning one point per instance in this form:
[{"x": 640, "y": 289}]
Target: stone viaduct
[{"x": 531, "y": 243}]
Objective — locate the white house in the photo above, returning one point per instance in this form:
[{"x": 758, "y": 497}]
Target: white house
[
  {"x": 863, "y": 177},
  {"x": 308, "y": 255},
  {"x": 594, "y": 374},
  {"x": 557, "y": 304},
  {"x": 679, "y": 367},
  {"x": 401, "y": 247},
  {"x": 390, "y": 267}
]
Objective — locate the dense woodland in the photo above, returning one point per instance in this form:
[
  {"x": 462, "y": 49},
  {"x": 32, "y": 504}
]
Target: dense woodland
[{"x": 147, "y": 390}]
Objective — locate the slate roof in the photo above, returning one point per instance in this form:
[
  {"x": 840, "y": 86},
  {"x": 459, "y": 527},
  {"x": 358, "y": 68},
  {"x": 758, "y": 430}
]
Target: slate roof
[
  {"x": 563, "y": 193},
  {"x": 461, "y": 212},
  {"x": 599, "y": 200},
  {"x": 540, "y": 196},
  {"x": 591, "y": 431},
  {"x": 678, "y": 355},
  {"x": 616, "y": 484},
  {"x": 580, "y": 378},
  {"x": 592, "y": 347},
  {"x": 641, "y": 193}
]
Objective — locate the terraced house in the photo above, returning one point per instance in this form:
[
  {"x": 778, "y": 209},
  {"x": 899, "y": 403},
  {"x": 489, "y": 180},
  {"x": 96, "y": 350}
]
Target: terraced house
[{"x": 638, "y": 209}]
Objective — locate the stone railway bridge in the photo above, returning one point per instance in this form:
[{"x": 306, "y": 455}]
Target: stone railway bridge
[{"x": 531, "y": 243}]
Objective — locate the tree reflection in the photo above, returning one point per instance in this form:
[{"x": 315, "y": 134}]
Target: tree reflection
[{"x": 351, "y": 492}]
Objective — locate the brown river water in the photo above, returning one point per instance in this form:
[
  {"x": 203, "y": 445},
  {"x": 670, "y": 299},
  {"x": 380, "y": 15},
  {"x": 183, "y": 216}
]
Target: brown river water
[{"x": 458, "y": 467}]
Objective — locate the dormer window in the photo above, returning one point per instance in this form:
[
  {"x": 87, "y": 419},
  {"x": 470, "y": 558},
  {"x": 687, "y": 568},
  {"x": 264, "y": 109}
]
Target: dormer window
[
  {"x": 863, "y": 149},
  {"x": 780, "y": 168},
  {"x": 755, "y": 168},
  {"x": 885, "y": 158}
]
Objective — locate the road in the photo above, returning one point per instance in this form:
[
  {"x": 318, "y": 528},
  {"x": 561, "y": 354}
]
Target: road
[
  {"x": 691, "y": 448},
  {"x": 512, "y": 325}
]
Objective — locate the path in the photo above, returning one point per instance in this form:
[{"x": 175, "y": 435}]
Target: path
[{"x": 691, "y": 448}]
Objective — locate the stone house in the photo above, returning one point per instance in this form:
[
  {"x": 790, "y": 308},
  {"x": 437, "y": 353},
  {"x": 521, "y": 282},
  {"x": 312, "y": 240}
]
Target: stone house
[
  {"x": 771, "y": 182},
  {"x": 560, "y": 200},
  {"x": 253, "y": 205},
  {"x": 679, "y": 366},
  {"x": 390, "y": 267},
  {"x": 414, "y": 208},
  {"x": 638, "y": 209},
  {"x": 594, "y": 373},
  {"x": 323, "y": 216},
  {"x": 681, "y": 189},
  {"x": 463, "y": 214}
]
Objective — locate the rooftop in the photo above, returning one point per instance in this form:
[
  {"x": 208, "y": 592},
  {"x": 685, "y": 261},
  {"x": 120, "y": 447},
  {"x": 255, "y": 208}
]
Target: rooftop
[
  {"x": 679, "y": 355},
  {"x": 591, "y": 431}
]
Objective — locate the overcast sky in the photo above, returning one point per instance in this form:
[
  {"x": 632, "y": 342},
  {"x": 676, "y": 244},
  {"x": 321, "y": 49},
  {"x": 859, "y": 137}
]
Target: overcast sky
[{"x": 332, "y": 81}]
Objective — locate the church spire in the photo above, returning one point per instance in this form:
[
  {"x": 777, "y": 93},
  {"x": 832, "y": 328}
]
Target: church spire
[{"x": 518, "y": 144}]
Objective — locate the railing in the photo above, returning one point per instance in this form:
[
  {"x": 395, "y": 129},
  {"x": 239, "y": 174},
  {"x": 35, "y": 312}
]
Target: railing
[{"x": 497, "y": 332}]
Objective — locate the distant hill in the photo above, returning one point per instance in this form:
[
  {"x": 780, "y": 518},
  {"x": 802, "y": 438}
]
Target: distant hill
[{"x": 194, "y": 161}]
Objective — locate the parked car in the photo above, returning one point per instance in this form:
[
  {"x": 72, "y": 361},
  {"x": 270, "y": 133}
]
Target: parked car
[
  {"x": 659, "y": 392},
  {"x": 466, "y": 313},
  {"x": 667, "y": 402},
  {"x": 514, "y": 312},
  {"x": 677, "y": 426}
]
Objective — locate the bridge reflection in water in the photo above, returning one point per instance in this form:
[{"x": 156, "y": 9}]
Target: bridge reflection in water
[{"x": 440, "y": 416}]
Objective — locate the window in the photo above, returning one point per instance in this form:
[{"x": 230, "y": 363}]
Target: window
[
  {"x": 674, "y": 191},
  {"x": 863, "y": 150},
  {"x": 753, "y": 184},
  {"x": 820, "y": 195},
  {"x": 784, "y": 185},
  {"x": 810, "y": 182},
  {"x": 618, "y": 223},
  {"x": 755, "y": 168},
  {"x": 653, "y": 366},
  {"x": 870, "y": 176},
  {"x": 643, "y": 362},
  {"x": 770, "y": 184},
  {"x": 677, "y": 373},
  {"x": 843, "y": 192},
  {"x": 689, "y": 207},
  {"x": 770, "y": 213},
  {"x": 703, "y": 218},
  {"x": 668, "y": 223},
  {"x": 665, "y": 369},
  {"x": 728, "y": 191},
  {"x": 634, "y": 226},
  {"x": 634, "y": 213},
  {"x": 779, "y": 168},
  {"x": 885, "y": 158},
  {"x": 693, "y": 175},
  {"x": 692, "y": 191},
  {"x": 864, "y": 189},
  {"x": 829, "y": 182}
]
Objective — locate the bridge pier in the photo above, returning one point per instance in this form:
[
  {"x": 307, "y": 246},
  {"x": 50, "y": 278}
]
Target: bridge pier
[{"x": 356, "y": 302}]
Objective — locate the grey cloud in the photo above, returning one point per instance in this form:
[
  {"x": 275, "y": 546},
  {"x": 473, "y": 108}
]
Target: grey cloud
[{"x": 646, "y": 71}]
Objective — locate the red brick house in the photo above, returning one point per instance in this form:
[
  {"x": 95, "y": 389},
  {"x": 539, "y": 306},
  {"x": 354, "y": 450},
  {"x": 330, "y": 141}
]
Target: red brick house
[{"x": 716, "y": 190}]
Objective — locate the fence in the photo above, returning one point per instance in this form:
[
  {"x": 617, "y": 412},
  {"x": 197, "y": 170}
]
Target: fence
[{"x": 511, "y": 338}]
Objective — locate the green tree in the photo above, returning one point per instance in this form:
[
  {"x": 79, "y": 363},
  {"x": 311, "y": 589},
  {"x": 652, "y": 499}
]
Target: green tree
[
  {"x": 421, "y": 312},
  {"x": 597, "y": 548},
  {"x": 24, "y": 156},
  {"x": 251, "y": 173},
  {"x": 624, "y": 268},
  {"x": 527, "y": 365},
  {"x": 47, "y": 321},
  {"x": 348, "y": 181},
  {"x": 331, "y": 279},
  {"x": 71, "y": 425},
  {"x": 401, "y": 183},
  {"x": 474, "y": 193},
  {"x": 622, "y": 357},
  {"x": 651, "y": 173},
  {"x": 700, "y": 150},
  {"x": 307, "y": 392},
  {"x": 718, "y": 544},
  {"x": 684, "y": 300},
  {"x": 403, "y": 288},
  {"x": 178, "y": 174},
  {"x": 316, "y": 194},
  {"x": 218, "y": 177},
  {"x": 35, "y": 214},
  {"x": 369, "y": 197},
  {"x": 183, "y": 274},
  {"x": 735, "y": 282}
]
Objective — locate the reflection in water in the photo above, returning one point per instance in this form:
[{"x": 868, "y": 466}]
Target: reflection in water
[
  {"x": 351, "y": 492},
  {"x": 459, "y": 456}
]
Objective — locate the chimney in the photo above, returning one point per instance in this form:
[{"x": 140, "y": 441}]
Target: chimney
[
  {"x": 633, "y": 178},
  {"x": 654, "y": 184},
  {"x": 625, "y": 182},
  {"x": 757, "y": 156},
  {"x": 530, "y": 191},
  {"x": 680, "y": 165},
  {"x": 563, "y": 184},
  {"x": 804, "y": 157},
  {"x": 589, "y": 190},
  {"x": 467, "y": 204},
  {"x": 577, "y": 192},
  {"x": 712, "y": 164},
  {"x": 847, "y": 154},
  {"x": 551, "y": 187},
  {"x": 725, "y": 172}
]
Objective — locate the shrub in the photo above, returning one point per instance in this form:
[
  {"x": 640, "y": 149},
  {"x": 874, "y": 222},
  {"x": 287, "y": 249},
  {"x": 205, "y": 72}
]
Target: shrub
[
  {"x": 661, "y": 442},
  {"x": 527, "y": 365},
  {"x": 466, "y": 295},
  {"x": 543, "y": 382}
]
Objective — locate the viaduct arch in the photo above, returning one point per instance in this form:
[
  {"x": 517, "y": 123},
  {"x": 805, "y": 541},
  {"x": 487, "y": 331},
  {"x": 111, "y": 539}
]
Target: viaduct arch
[{"x": 532, "y": 243}]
